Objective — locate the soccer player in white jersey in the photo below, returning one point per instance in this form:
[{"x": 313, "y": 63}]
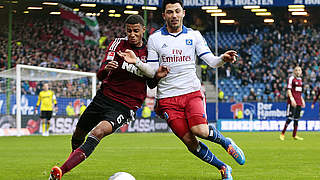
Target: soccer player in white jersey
[{"x": 179, "y": 98}]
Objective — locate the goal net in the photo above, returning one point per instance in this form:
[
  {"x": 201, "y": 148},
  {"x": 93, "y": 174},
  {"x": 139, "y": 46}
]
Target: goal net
[{"x": 19, "y": 90}]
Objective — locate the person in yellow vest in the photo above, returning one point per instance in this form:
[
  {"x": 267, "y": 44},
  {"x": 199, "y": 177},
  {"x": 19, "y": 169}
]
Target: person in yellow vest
[
  {"x": 48, "y": 102},
  {"x": 204, "y": 72},
  {"x": 239, "y": 114},
  {"x": 82, "y": 108},
  {"x": 70, "y": 110},
  {"x": 220, "y": 95},
  {"x": 146, "y": 112}
]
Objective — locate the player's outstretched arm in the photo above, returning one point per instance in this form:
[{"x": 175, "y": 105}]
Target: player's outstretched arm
[
  {"x": 215, "y": 61},
  {"x": 131, "y": 58}
]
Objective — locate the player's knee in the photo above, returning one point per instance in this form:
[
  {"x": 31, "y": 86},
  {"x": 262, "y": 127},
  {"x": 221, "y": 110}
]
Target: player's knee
[
  {"x": 98, "y": 132},
  {"x": 200, "y": 130},
  {"x": 103, "y": 129}
]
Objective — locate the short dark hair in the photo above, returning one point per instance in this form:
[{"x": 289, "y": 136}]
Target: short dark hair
[
  {"x": 165, "y": 2},
  {"x": 134, "y": 19}
]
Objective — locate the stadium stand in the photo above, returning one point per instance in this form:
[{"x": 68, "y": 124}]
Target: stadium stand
[{"x": 266, "y": 59}]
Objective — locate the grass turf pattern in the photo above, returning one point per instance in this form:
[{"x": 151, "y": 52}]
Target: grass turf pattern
[{"x": 161, "y": 156}]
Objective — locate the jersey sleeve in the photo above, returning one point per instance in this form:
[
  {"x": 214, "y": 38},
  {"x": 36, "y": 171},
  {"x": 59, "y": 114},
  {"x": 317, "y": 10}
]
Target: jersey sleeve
[
  {"x": 204, "y": 52},
  {"x": 152, "y": 51},
  {"x": 289, "y": 86},
  {"x": 109, "y": 56},
  {"x": 153, "y": 56},
  {"x": 201, "y": 45}
]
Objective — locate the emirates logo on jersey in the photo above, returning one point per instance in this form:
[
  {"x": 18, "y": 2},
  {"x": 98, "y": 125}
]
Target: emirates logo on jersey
[{"x": 177, "y": 56}]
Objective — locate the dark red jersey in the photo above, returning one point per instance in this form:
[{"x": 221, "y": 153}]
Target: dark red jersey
[
  {"x": 126, "y": 84},
  {"x": 295, "y": 86}
]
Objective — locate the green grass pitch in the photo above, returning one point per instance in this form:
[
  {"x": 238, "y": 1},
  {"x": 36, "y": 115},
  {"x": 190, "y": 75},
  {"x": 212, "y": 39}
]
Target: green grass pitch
[{"x": 161, "y": 156}]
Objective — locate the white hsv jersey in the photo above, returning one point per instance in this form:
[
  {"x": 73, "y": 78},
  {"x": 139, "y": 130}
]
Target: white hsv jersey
[{"x": 178, "y": 52}]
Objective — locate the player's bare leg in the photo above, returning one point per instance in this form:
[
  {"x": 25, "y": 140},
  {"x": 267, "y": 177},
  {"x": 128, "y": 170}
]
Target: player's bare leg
[
  {"x": 78, "y": 137},
  {"x": 103, "y": 129},
  {"x": 213, "y": 135},
  {"x": 200, "y": 150},
  {"x": 43, "y": 122},
  {"x": 47, "y": 127},
  {"x": 288, "y": 121},
  {"x": 295, "y": 129}
]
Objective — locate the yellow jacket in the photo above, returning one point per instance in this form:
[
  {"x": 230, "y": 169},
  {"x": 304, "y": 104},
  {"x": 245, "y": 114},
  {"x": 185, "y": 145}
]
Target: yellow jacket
[{"x": 70, "y": 111}]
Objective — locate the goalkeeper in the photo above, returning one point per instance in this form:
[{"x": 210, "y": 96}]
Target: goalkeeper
[{"x": 48, "y": 102}]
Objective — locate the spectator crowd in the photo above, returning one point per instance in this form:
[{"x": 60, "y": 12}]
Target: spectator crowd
[{"x": 40, "y": 42}]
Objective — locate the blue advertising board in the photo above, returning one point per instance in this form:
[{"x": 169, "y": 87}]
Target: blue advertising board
[
  {"x": 28, "y": 103},
  {"x": 258, "y": 116},
  {"x": 265, "y": 125},
  {"x": 252, "y": 110},
  {"x": 259, "y": 110}
]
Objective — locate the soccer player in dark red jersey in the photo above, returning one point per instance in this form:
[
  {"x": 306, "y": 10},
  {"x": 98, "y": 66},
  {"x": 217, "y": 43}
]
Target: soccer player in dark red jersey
[
  {"x": 122, "y": 92},
  {"x": 295, "y": 102},
  {"x": 315, "y": 97}
]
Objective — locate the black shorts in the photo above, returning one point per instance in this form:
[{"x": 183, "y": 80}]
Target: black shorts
[
  {"x": 293, "y": 113},
  {"x": 102, "y": 108},
  {"x": 46, "y": 115}
]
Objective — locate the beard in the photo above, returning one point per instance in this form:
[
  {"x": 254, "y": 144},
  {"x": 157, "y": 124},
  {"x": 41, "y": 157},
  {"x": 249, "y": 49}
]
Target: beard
[{"x": 174, "y": 27}]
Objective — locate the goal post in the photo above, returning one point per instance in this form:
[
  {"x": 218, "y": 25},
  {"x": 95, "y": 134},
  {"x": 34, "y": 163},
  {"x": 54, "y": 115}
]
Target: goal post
[{"x": 61, "y": 78}]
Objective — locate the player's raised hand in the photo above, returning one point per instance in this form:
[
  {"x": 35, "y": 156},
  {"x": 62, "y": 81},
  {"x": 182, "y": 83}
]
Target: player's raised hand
[
  {"x": 230, "y": 56},
  {"x": 162, "y": 72},
  {"x": 129, "y": 56},
  {"x": 112, "y": 65}
]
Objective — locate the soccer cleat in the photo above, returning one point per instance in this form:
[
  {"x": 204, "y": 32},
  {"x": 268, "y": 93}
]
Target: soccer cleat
[
  {"x": 55, "y": 173},
  {"x": 236, "y": 152},
  {"x": 298, "y": 138},
  {"x": 226, "y": 172},
  {"x": 282, "y": 137}
]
